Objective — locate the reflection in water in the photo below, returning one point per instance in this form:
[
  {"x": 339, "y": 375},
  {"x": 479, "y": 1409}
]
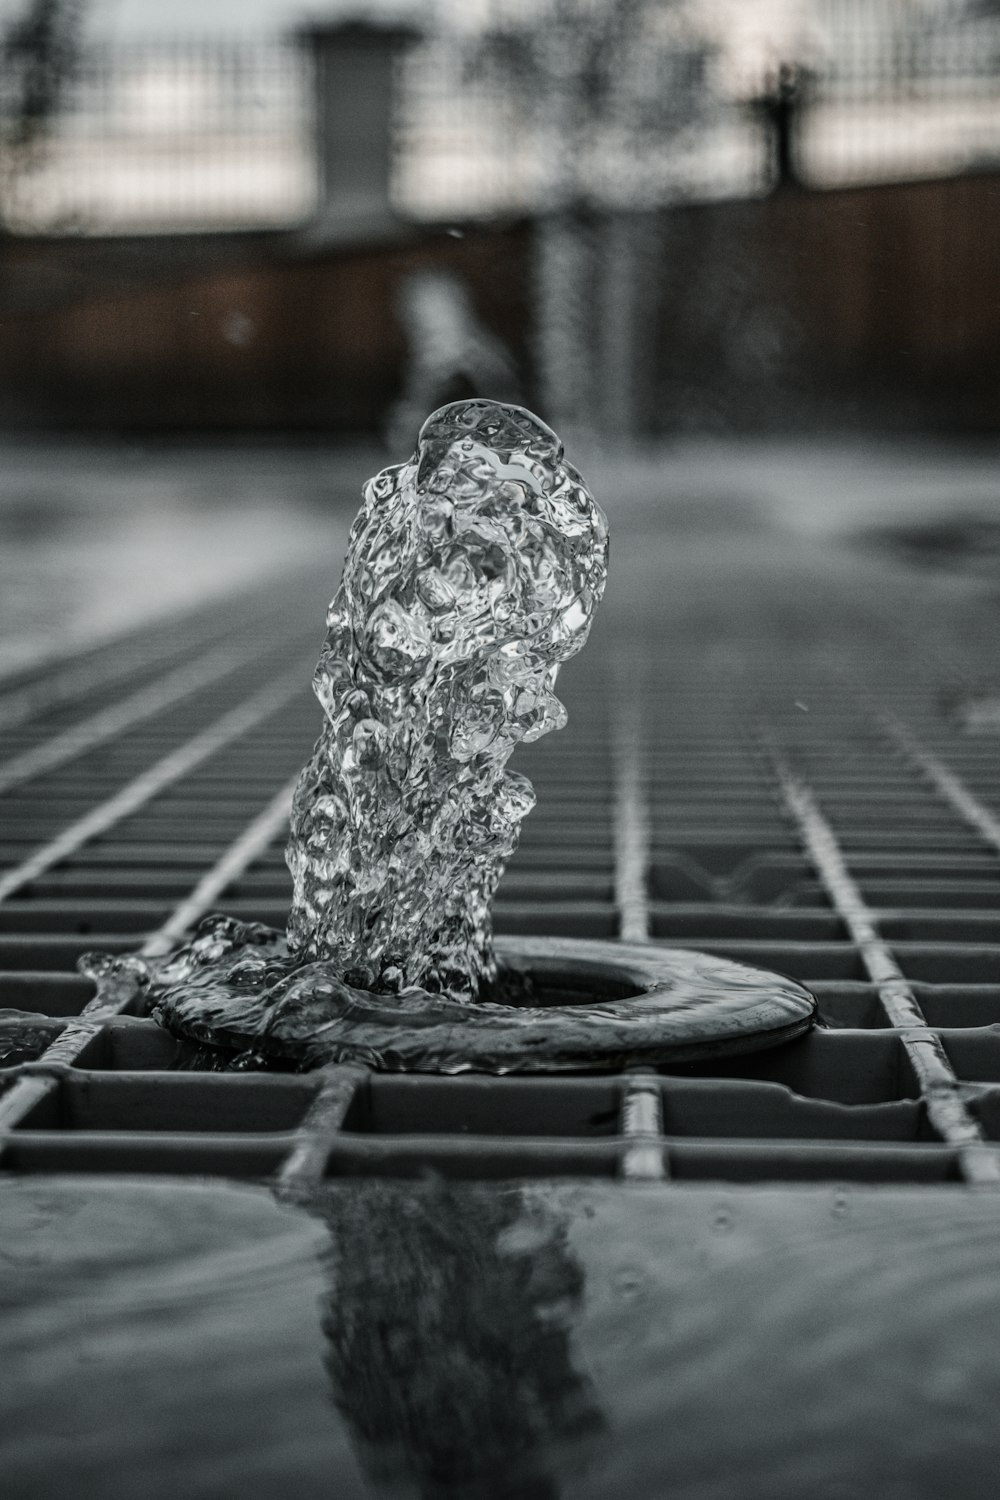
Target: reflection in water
[
  {"x": 448, "y": 1327},
  {"x": 168, "y": 1338}
]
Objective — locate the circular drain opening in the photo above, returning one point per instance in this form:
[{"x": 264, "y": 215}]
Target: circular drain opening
[{"x": 580, "y": 1007}]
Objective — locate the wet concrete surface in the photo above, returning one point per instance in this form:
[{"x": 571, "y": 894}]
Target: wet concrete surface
[
  {"x": 815, "y": 488},
  {"x": 97, "y": 537}
]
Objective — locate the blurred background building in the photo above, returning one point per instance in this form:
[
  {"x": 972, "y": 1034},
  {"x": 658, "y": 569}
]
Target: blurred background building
[{"x": 641, "y": 216}]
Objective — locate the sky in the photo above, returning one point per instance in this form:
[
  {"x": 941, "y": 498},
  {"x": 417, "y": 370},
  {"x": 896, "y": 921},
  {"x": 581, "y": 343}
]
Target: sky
[
  {"x": 216, "y": 17},
  {"x": 753, "y": 34},
  {"x": 123, "y": 18}
]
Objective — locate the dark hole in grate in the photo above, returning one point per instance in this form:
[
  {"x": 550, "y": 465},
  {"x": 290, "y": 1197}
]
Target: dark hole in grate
[
  {"x": 172, "y": 1102},
  {"x": 481, "y": 1106},
  {"x": 844, "y": 1068}
]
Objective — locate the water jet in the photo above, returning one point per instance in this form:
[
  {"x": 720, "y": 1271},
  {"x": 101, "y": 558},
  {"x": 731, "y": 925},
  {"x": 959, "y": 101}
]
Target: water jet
[{"x": 473, "y": 572}]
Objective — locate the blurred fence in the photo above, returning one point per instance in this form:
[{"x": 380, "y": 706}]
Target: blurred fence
[
  {"x": 904, "y": 104},
  {"x": 477, "y": 136},
  {"x": 201, "y": 134},
  {"x": 218, "y": 134},
  {"x": 868, "y": 104}
]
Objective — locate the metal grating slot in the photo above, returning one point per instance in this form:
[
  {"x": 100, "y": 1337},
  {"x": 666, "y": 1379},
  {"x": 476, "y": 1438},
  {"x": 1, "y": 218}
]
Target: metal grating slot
[{"x": 812, "y": 811}]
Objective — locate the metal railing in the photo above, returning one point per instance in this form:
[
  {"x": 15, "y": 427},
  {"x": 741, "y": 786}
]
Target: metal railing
[
  {"x": 188, "y": 135},
  {"x": 210, "y": 133},
  {"x": 907, "y": 104},
  {"x": 869, "y": 104}
]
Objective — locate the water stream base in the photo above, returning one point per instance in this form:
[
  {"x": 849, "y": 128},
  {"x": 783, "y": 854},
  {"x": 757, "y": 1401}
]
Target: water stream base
[{"x": 560, "y": 1005}]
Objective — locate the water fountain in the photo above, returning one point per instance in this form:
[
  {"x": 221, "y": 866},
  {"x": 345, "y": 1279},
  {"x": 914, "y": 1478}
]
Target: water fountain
[{"x": 473, "y": 572}]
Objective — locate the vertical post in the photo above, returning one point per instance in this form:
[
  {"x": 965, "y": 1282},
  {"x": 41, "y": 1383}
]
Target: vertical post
[
  {"x": 354, "y": 78},
  {"x": 564, "y": 241},
  {"x": 780, "y": 109},
  {"x": 564, "y": 319},
  {"x": 628, "y": 304}
]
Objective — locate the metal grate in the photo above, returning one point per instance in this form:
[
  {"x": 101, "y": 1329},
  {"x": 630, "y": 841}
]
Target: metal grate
[{"x": 798, "y": 789}]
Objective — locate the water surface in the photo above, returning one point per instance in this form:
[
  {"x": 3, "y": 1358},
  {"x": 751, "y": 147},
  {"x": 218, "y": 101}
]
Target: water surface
[{"x": 433, "y": 1339}]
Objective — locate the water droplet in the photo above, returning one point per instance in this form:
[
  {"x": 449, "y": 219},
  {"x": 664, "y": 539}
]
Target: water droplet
[
  {"x": 722, "y": 1220},
  {"x": 628, "y": 1283}
]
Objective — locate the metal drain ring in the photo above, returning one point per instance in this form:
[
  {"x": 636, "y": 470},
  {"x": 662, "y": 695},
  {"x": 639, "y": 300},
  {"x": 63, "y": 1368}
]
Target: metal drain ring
[{"x": 582, "y": 1006}]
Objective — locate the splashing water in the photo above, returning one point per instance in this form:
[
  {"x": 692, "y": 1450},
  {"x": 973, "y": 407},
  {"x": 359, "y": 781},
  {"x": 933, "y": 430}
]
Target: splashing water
[{"x": 473, "y": 572}]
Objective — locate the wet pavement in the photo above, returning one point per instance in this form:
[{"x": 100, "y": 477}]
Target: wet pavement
[
  {"x": 497, "y": 1340},
  {"x": 97, "y": 537}
]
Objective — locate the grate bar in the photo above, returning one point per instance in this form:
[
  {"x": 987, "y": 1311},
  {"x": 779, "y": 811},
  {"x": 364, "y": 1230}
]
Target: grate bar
[
  {"x": 252, "y": 842},
  {"x": 79, "y": 644},
  {"x": 631, "y": 820},
  {"x": 68, "y": 684},
  {"x": 108, "y": 723},
  {"x": 823, "y": 848},
  {"x": 945, "y": 781},
  {"x": 644, "y": 1157},
  {"x": 149, "y": 784},
  {"x": 939, "y": 1086},
  {"x": 305, "y": 1164},
  {"x": 21, "y": 705}
]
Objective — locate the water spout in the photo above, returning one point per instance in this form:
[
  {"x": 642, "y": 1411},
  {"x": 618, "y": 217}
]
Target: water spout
[{"x": 473, "y": 572}]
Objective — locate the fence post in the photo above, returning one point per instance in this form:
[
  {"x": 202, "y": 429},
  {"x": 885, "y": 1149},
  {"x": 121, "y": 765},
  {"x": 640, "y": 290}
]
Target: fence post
[
  {"x": 354, "y": 66},
  {"x": 629, "y": 275}
]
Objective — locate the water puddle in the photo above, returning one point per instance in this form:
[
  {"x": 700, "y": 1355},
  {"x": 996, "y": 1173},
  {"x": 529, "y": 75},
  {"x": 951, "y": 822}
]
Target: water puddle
[{"x": 439, "y": 1339}]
